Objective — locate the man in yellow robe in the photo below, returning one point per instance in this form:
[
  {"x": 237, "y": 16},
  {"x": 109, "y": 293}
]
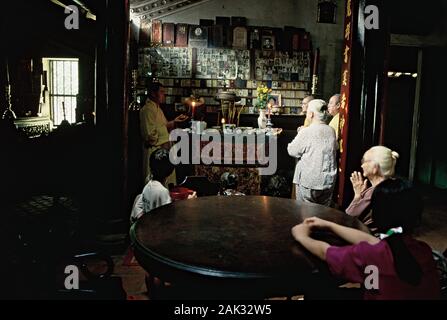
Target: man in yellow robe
[
  {"x": 334, "y": 109},
  {"x": 155, "y": 128}
]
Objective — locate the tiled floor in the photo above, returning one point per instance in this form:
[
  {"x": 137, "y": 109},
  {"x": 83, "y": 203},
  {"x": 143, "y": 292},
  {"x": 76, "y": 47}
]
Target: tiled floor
[
  {"x": 133, "y": 279},
  {"x": 434, "y": 220}
]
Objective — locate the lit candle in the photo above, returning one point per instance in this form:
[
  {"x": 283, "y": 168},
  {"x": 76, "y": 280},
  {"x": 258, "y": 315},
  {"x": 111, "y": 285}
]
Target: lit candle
[
  {"x": 193, "y": 109},
  {"x": 269, "y": 106}
]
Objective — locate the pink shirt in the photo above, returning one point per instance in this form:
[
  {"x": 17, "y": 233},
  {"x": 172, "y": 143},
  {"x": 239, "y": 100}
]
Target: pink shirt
[{"x": 349, "y": 263}]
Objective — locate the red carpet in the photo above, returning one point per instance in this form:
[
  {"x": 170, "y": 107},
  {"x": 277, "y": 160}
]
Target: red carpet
[{"x": 129, "y": 258}]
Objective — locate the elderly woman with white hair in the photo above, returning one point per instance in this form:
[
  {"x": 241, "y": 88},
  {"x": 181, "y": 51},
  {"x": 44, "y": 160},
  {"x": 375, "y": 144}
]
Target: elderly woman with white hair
[
  {"x": 315, "y": 148},
  {"x": 378, "y": 164}
]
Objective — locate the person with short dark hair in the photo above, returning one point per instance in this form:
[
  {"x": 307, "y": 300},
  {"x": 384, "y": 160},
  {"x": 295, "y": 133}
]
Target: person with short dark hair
[
  {"x": 154, "y": 126},
  {"x": 405, "y": 266},
  {"x": 154, "y": 194}
]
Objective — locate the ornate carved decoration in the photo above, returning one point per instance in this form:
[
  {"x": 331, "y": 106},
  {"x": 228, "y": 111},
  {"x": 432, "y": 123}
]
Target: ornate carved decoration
[{"x": 153, "y": 9}]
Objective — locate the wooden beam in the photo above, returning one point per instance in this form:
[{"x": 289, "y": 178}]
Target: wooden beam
[
  {"x": 408, "y": 40},
  {"x": 86, "y": 11},
  {"x": 153, "y": 12}
]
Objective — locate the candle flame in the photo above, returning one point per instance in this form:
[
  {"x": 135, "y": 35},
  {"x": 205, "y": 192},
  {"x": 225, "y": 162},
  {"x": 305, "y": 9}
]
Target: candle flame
[{"x": 223, "y": 120}]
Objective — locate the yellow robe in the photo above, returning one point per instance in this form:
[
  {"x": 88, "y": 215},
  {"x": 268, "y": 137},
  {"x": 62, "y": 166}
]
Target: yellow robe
[
  {"x": 335, "y": 122},
  {"x": 306, "y": 122},
  {"x": 155, "y": 135}
]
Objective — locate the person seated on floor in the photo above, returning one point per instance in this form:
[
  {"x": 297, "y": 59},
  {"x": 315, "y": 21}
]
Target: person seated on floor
[
  {"x": 404, "y": 266},
  {"x": 229, "y": 182},
  {"x": 154, "y": 194},
  {"x": 378, "y": 165}
]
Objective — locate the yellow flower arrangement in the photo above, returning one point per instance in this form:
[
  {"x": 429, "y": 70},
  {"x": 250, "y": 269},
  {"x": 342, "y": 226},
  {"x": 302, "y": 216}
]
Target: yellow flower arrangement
[{"x": 262, "y": 94}]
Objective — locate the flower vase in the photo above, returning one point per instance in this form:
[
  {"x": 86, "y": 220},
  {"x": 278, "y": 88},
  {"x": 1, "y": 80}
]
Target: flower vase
[{"x": 262, "y": 119}]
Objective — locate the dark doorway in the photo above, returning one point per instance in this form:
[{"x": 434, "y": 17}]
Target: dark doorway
[
  {"x": 431, "y": 165},
  {"x": 402, "y": 79}
]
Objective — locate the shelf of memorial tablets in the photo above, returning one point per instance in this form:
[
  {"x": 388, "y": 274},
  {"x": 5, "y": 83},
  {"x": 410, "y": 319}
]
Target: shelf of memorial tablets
[
  {"x": 216, "y": 108},
  {"x": 257, "y": 113},
  {"x": 218, "y": 105},
  {"x": 156, "y": 45},
  {"x": 212, "y": 96},
  {"x": 221, "y": 79},
  {"x": 242, "y": 88},
  {"x": 242, "y": 97},
  {"x": 220, "y": 87},
  {"x": 282, "y": 89}
]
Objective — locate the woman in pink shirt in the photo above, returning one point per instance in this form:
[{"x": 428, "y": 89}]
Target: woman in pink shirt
[{"x": 404, "y": 267}]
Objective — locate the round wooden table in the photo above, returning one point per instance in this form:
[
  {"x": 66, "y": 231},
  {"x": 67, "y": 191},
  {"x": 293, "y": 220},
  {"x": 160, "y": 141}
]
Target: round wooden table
[{"x": 232, "y": 247}]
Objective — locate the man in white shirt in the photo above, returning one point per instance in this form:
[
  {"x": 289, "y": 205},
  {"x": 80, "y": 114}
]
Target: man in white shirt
[{"x": 315, "y": 148}]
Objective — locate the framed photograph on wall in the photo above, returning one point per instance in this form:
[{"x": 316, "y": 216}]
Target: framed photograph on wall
[
  {"x": 198, "y": 37},
  {"x": 180, "y": 107},
  {"x": 274, "y": 100},
  {"x": 268, "y": 43},
  {"x": 240, "y": 38}
]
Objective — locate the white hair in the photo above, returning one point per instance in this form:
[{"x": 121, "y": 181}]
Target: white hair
[
  {"x": 309, "y": 98},
  {"x": 385, "y": 158},
  {"x": 319, "y": 108}
]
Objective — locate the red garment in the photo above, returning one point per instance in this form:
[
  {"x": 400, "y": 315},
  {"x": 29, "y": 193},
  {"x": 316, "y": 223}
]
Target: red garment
[{"x": 349, "y": 263}]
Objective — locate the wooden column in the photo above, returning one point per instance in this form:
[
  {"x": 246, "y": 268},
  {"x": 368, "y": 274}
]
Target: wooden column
[
  {"x": 363, "y": 73},
  {"x": 6, "y": 113},
  {"x": 112, "y": 105}
]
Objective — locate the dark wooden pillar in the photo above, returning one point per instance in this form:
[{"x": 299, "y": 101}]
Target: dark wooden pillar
[
  {"x": 111, "y": 105},
  {"x": 363, "y": 73},
  {"x": 135, "y": 179}
]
